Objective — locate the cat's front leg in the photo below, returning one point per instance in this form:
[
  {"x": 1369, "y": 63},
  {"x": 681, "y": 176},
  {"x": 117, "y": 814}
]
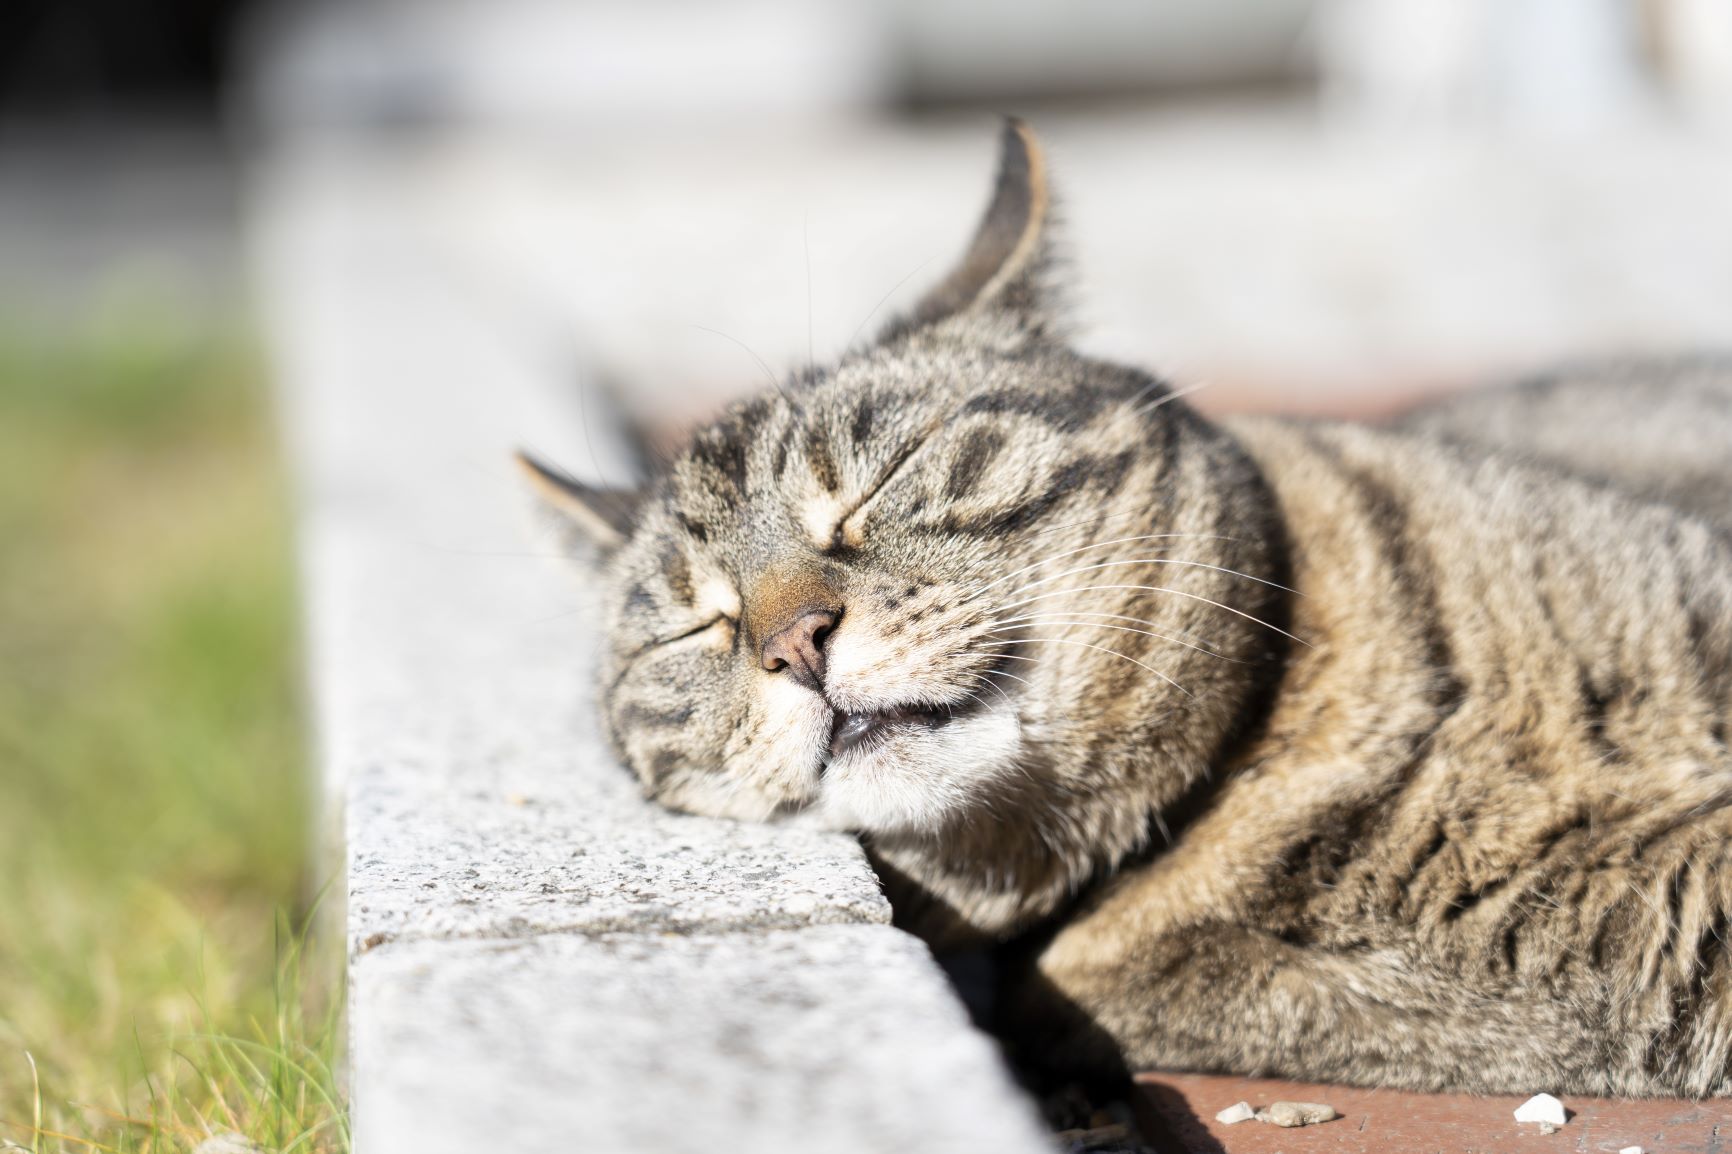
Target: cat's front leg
[{"x": 1223, "y": 998}]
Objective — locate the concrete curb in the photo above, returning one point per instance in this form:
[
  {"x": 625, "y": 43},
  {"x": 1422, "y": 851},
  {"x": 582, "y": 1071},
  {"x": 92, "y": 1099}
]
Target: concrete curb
[{"x": 539, "y": 959}]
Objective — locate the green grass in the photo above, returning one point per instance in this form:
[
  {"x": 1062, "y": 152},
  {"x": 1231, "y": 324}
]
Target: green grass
[{"x": 156, "y": 982}]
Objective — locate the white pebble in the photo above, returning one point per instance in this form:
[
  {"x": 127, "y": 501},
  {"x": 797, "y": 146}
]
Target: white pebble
[
  {"x": 1237, "y": 1112},
  {"x": 1631, "y": 1150},
  {"x": 1542, "y": 1108},
  {"x": 1297, "y": 1114}
]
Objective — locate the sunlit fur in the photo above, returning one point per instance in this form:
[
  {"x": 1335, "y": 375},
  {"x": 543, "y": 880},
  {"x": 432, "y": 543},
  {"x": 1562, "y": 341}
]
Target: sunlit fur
[{"x": 1394, "y": 756}]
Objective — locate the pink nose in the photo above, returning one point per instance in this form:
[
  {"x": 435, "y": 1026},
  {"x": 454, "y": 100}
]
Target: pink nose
[{"x": 799, "y": 647}]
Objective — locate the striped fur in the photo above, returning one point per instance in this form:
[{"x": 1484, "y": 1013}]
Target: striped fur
[{"x": 1396, "y": 756}]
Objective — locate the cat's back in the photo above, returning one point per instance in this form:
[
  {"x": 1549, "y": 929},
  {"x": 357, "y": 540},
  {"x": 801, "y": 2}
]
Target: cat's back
[
  {"x": 1660, "y": 429},
  {"x": 1554, "y": 610}
]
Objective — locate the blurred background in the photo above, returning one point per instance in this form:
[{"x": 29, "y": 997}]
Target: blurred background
[{"x": 1310, "y": 205}]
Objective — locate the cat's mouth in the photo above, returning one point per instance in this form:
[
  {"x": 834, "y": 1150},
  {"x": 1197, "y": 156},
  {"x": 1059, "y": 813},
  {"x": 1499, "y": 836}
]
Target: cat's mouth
[
  {"x": 910, "y": 765},
  {"x": 863, "y": 730}
]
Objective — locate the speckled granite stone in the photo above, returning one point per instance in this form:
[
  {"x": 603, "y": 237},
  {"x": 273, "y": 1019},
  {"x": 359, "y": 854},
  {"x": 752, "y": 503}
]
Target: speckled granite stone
[{"x": 835, "y": 1039}]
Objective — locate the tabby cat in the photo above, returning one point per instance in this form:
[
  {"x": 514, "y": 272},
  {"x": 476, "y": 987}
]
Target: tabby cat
[{"x": 1391, "y": 756}]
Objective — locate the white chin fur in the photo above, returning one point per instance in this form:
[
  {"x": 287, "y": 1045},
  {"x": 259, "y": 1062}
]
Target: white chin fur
[
  {"x": 796, "y": 732},
  {"x": 918, "y": 778}
]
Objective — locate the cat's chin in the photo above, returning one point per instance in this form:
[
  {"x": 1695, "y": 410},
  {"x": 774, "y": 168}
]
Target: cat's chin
[{"x": 915, "y": 774}]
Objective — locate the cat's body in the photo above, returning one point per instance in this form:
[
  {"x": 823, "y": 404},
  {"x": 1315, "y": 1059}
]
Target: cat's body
[
  {"x": 1484, "y": 840},
  {"x": 1397, "y": 756}
]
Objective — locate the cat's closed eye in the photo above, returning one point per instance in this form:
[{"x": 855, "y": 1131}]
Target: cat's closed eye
[{"x": 721, "y": 626}]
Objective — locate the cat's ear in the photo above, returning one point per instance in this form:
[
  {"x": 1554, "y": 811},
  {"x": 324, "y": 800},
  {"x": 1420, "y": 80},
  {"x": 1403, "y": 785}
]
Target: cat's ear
[
  {"x": 1006, "y": 270},
  {"x": 590, "y": 523}
]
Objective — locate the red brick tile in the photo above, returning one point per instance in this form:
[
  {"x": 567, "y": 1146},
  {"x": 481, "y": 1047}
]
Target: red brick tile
[{"x": 1178, "y": 1112}]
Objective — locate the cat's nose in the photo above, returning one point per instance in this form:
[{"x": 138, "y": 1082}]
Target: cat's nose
[{"x": 799, "y": 647}]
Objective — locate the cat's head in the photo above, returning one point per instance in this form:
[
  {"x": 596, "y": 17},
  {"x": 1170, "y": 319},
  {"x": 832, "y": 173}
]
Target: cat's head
[{"x": 896, "y": 592}]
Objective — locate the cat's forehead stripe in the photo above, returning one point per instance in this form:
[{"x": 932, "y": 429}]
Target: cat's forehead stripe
[
  {"x": 822, "y": 462},
  {"x": 677, "y": 572},
  {"x": 979, "y": 447}
]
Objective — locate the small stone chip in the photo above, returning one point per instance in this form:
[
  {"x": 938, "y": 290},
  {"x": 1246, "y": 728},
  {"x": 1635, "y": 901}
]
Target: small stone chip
[
  {"x": 1631, "y": 1150},
  {"x": 1297, "y": 1114},
  {"x": 1237, "y": 1112},
  {"x": 1544, "y": 1109}
]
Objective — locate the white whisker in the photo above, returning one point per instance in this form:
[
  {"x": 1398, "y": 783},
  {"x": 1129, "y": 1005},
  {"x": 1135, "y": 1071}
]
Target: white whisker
[
  {"x": 1149, "y": 561},
  {"x": 1177, "y": 640},
  {"x": 1009, "y": 657},
  {"x": 1176, "y": 394},
  {"x": 1162, "y": 589},
  {"x": 1144, "y": 511},
  {"x": 1099, "y": 649},
  {"x": 1041, "y": 619},
  {"x": 1087, "y": 548}
]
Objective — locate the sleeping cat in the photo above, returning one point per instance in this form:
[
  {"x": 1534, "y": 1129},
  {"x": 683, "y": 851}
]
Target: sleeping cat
[{"x": 1394, "y": 756}]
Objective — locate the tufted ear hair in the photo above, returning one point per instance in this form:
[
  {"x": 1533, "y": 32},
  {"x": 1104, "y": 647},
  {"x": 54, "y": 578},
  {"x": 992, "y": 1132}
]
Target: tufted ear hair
[
  {"x": 588, "y": 523},
  {"x": 1004, "y": 274}
]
